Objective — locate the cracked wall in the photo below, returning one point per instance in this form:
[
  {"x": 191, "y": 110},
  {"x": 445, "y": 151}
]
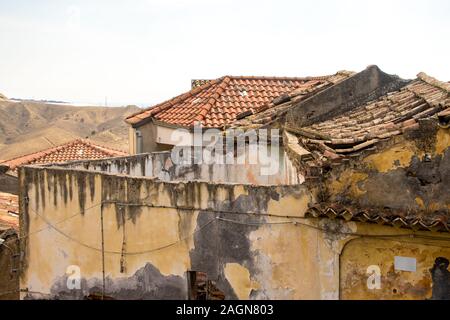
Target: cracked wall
[
  {"x": 252, "y": 241},
  {"x": 411, "y": 174},
  {"x": 361, "y": 253},
  {"x": 154, "y": 232},
  {"x": 161, "y": 166}
]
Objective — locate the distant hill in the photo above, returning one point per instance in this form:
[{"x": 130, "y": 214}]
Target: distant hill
[
  {"x": 39, "y": 101},
  {"x": 27, "y": 127}
]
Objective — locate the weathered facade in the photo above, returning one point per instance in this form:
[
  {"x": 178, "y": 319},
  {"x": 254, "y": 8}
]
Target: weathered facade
[
  {"x": 9, "y": 247},
  {"x": 9, "y": 264},
  {"x": 359, "y": 210},
  {"x": 9, "y": 260}
]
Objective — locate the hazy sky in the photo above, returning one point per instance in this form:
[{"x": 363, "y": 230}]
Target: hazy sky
[{"x": 144, "y": 52}]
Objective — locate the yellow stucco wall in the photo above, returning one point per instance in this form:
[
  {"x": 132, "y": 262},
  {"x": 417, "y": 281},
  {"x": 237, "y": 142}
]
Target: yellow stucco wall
[
  {"x": 162, "y": 235},
  {"x": 269, "y": 251},
  {"x": 362, "y": 253}
]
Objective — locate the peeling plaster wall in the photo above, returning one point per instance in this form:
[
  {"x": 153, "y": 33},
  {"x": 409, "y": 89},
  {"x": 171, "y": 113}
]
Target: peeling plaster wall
[
  {"x": 359, "y": 254},
  {"x": 9, "y": 265},
  {"x": 408, "y": 174},
  {"x": 253, "y": 241},
  {"x": 160, "y": 165},
  {"x": 224, "y": 230},
  {"x": 411, "y": 174}
]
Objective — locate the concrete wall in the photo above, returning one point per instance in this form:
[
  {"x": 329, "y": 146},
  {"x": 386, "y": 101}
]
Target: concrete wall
[
  {"x": 148, "y": 132},
  {"x": 253, "y": 241},
  {"x": 160, "y": 165},
  {"x": 155, "y": 137},
  {"x": 131, "y": 140},
  {"x": 425, "y": 282},
  {"x": 156, "y": 231},
  {"x": 364, "y": 86},
  {"x": 409, "y": 174}
]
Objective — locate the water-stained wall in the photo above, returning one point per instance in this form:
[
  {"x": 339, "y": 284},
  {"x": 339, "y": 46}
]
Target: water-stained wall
[
  {"x": 9, "y": 265},
  {"x": 135, "y": 237},
  {"x": 364, "y": 259},
  {"x": 162, "y": 166},
  {"x": 409, "y": 174},
  {"x": 143, "y": 235}
]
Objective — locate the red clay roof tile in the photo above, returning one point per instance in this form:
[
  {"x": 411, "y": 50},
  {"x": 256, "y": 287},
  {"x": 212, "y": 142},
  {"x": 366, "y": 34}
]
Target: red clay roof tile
[
  {"x": 9, "y": 211},
  {"x": 79, "y": 149},
  {"x": 230, "y": 95},
  {"x": 397, "y": 218},
  {"x": 387, "y": 116}
]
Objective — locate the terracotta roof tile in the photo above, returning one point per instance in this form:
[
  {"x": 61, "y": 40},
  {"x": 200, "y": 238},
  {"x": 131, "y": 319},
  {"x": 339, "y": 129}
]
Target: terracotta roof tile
[
  {"x": 229, "y": 96},
  {"x": 401, "y": 219},
  {"x": 389, "y": 115},
  {"x": 79, "y": 149},
  {"x": 9, "y": 211},
  {"x": 272, "y": 108}
]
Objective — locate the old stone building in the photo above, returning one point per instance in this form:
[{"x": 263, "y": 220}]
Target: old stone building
[{"x": 359, "y": 208}]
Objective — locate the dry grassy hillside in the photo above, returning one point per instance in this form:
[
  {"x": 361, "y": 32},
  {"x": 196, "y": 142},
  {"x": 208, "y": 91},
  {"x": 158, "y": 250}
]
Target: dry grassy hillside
[{"x": 27, "y": 127}]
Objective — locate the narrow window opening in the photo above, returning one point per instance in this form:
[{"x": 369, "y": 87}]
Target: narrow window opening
[{"x": 139, "y": 142}]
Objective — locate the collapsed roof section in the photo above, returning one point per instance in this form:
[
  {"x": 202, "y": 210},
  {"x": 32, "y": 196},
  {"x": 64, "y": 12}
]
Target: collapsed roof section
[
  {"x": 275, "y": 111},
  {"x": 337, "y": 136},
  {"x": 381, "y": 134}
]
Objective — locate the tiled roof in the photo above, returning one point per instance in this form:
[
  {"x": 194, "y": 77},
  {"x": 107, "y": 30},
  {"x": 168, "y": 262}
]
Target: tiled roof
[
  {"x": 198, "y": 82},
  {"x": 433, "y": 222},
  {"x": 360, "y": 128},
  {"x": 9, "y": 211},
  {"x": 79, "y": 149},
  {"x": 278, "y": 107},
  {"x": 218, "y": 102}
]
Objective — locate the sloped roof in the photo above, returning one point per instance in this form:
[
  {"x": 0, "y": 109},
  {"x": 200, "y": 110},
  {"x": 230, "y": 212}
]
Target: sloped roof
[
  {"x": 346, "y": 135},
  {"x": 9, "y": 211},
  {"x": 278, "y": 107},
  {"x": 79, "y": 149},
  {"x": 218, "y": 102}
]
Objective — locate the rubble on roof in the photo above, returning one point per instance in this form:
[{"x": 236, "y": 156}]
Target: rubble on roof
[
  {"x": 275, "y": 110},
  {"x": 358, "y": 131}
]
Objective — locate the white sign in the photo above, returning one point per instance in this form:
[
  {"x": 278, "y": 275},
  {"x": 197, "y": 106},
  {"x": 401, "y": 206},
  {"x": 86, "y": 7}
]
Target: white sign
[{"x": 405, "y": 264}]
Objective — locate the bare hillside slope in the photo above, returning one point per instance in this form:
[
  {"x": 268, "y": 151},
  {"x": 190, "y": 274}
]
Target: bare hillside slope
[{"x": 27, "y": 127}]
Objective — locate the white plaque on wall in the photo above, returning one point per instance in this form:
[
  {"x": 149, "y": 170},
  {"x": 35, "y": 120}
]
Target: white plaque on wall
[{"x": 405, "y": 264}]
